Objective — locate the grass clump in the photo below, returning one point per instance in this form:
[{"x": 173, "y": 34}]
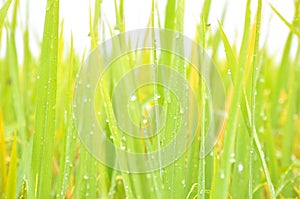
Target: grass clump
[{"x": 257, "y": 152}]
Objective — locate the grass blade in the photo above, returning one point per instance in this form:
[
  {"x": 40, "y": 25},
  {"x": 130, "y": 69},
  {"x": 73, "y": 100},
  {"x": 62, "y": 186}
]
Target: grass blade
[
  {"x": 2, "y": 156},
  {"x": 255, "y": 74},
  {"x": 221, "y": 178},
  {"x": 3, "y": 12},
  {"x": 45, "y": 112},
  {"x": 11, "y": 185},
  {"x": 289, "y": 25}
]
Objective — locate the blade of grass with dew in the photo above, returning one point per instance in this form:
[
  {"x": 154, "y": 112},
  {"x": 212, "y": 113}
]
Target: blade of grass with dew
[
  {"x": 154, "y": 178},
  {"x": 68, "y": 132},
  {"x": 213, "y": 41},
  {"x": 239, "y": 157},
  {"x": 177, "y": 168},
  {"x": 196, "y": 160},
  {"x": 230, "y": 56},
  {"x": 255, "y": 74},
  {"x": 11, "y": 185},
  {"x": 247, "y": 117},
  {"x": 151, "y": 179},
  {"x": 45, "y": 112},
  {"x": 221, "y": 182},
  {"x": 204, "y": 128},
  {"x": 103, "y": 170},
  {"x": 120, "y": 27},
  {"x": 117, "y": 139},
  {"x": 85, "y": 182},
  {"x": 128, "y": 179},
  {"x": 171, "y": 127}
]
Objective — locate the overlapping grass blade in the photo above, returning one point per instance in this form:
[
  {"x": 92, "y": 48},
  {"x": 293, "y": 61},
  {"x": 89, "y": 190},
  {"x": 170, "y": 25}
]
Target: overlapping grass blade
[
  {"x": 221, "y": 181},
  {"x": 3, "y": 12}
]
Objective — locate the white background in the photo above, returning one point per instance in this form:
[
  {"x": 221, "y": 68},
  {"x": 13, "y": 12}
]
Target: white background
[{"x": 137, "y": 12}]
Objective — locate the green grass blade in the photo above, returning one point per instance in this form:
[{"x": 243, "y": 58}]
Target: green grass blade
[
  {"x": 289, "y": 25},
  {"x": 3, "y": 12},
  {"x": 170, "y": 14},
  {"x": 46, "y": 96},
  {"x": 2, "y": 156},
  {"x": 255, "y": 74},
  {"x": 230, "y": 56},
  {"x": 221, "y": 182},
  {"x": 11, "y": 185}
]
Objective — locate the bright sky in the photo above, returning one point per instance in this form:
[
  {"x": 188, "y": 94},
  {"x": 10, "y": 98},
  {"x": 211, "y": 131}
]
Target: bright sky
[{"x": 137, "y": 12}]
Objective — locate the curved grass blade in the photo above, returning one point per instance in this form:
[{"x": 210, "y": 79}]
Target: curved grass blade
[
  {"x": 289, "y": 25},
  {"x": 3, "y": 12}
]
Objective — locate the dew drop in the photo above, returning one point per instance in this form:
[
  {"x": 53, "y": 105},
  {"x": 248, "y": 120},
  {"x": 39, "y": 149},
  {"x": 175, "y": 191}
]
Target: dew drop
[
  {"x": 133, "y": 98},
  {"x": 86, "y": 177},
  {"x": 183, "y": 182},
  {"x": 222, "y": 175},
  {"x": 240, "y": 167},
  {"x": 156, "y": 97},
  {"x": 181, "y": 110},
  {"x": 229, "y": 72},
  {"x": 123, "y": 147},
  {"x": 116, "y": 31}
]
